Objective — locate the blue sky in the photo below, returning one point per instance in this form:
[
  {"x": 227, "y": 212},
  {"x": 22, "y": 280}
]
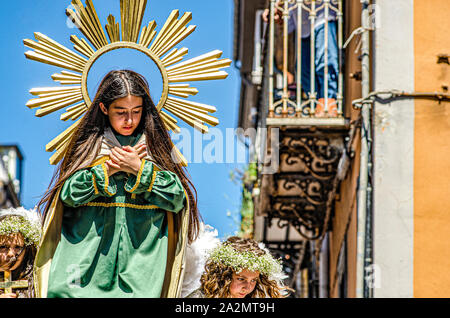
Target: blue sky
[{"x": 218, "y": 196}]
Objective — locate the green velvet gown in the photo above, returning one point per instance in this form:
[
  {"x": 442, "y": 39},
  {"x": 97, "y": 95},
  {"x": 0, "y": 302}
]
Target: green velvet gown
[{"x": 114, "y": 232}]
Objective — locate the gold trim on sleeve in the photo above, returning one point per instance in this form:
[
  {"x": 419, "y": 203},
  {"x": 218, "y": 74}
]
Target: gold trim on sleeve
[
  {"x": 138, "y": 178},
  {"x": 99, "y": 161},
  {"x": 152, "y": 182},
  {"x": 94, "y": 183},
  {"x": 105, "y": 171}
]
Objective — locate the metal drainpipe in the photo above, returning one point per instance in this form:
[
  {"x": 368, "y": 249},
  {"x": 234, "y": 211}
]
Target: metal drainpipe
[{"x": 363, "y": 171}]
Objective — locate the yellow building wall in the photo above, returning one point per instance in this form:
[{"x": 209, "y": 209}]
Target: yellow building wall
[{"x": 432, "y": 152}]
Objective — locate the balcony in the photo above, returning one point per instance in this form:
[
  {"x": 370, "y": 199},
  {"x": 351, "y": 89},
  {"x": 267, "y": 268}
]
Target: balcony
[
  {"x": 298, "y": 61},
  {"x": 295, "y": 60},
  {"x": 304, "y": 48}
]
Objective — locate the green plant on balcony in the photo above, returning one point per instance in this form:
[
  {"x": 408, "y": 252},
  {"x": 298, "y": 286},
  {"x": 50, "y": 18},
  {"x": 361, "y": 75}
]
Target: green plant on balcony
[{"x": 248, "y": 178}]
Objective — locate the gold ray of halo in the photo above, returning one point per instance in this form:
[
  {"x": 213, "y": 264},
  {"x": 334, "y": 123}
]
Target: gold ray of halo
[
  {"x": 86, "y": 19},
  {"x": 50, "y": 52},
  {"x": 132, "y": 13},
  {"x": 140, "y": 17},
  {"x": 182, "y": 90},
  {"x": 52, "y": 99},
  {"x": 207, "y": 57},
  {"x": 46, "y": 101},
  {"x": 60, "y": 152},
  {"x": 169, "y": 56},
  {"x": 59, "y": 105},
  {"x": 124, "y": 8},
  {"x": 191, "y": 105},
  {"x": 174, "y": 56},
  {"x": 170, "y": 122},
  {"x": 50, "y": 48},
  {"x": 82, "y": 46},
  {"x": 167, "y": 117},
  {"x": 132, "y": 20},
  {"x": 67, "y": 78},
  {"x": 113, "y": 29},
  {"x": 59, "y": 141},
  {"x": 76, "y": 19},
  {"x": 94, "y": 20},
  {"x": 180, "y": 37},
  {"x": 199, "y": 77},
  {"x": 213, "y": 66},
  {"x": 204, "y": 67},
  {"x": 171, "y": 20},
  {"x": 147, "y": 34},
  {"x": 202, "y": 116},
  {"x": 173, "y": 34},
  {"x": 51, "y": 90},
  {"x": 146, "y": 40},
  {"x": 74, "y": 112},
  {"x": 188, "y": 118}
]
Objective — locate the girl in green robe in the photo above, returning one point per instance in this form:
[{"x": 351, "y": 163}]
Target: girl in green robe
[{"x": 112, "y": 210}]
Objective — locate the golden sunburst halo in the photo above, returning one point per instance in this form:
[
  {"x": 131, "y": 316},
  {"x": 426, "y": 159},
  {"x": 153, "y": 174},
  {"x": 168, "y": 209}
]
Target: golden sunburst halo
[{"x": 158, "y": 46}]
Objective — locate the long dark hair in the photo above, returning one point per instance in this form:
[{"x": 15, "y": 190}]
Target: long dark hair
[{"x": 86, "y": 142}]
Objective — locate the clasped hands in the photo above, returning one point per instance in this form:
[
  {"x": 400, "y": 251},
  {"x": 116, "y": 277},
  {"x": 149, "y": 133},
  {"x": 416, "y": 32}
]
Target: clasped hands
[{"x": 127, "y": 159}]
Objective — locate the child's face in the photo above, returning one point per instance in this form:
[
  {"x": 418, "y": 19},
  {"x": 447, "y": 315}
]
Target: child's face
[
  {"x": 243, "y": 283},
  {"x": 12, "y": 251},
  {"x": 124, "y": 114}
]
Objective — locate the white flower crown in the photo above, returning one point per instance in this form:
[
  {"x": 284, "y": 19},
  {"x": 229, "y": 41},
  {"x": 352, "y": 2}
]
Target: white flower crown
[
  {"x": 20, "y": 220},
  {"x": 265, "y": 264}
]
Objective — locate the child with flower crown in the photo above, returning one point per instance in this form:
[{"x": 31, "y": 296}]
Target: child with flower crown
[
  {"x": 240, "y": 268},
  {"x": 20, "y": 232}
]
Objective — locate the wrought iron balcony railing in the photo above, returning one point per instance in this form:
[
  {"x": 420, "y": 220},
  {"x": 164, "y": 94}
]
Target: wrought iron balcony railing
[{"x": 305, "y": 45}]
